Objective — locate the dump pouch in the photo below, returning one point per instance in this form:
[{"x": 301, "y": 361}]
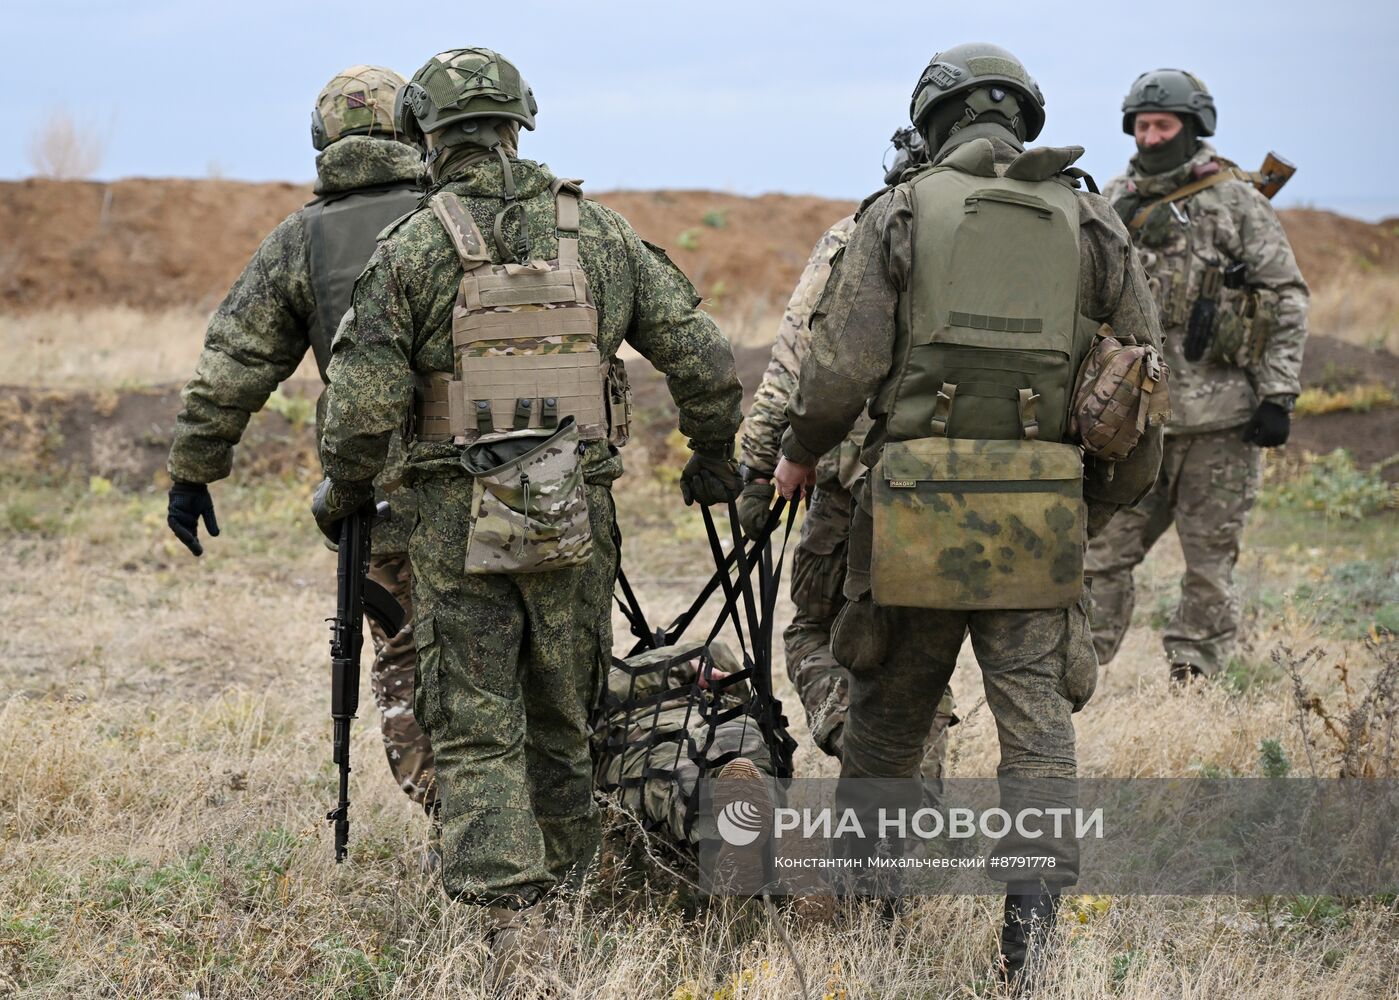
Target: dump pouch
[
  {"x": 966, "y": 525},
  {"x": 1120, "y": 391},
  {"x": 529, "y": 510}
]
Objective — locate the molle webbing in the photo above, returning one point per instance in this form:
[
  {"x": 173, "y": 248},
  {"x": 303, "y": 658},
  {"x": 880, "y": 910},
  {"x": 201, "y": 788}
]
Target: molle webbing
[{"x": 524, "y": 337}]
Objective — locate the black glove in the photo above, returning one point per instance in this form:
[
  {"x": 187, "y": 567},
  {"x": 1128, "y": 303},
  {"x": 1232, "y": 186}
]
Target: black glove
[
  {"x": 710, "y": 477},
  {"x": 188, "y": 503},
  {"x": 333, "y": 502},
  {"x": 754, "y": 504},
  {"x": 1269, "y": 426}
]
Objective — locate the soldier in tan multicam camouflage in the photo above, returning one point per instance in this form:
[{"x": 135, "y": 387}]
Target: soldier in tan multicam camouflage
[
  {"x": 818, "y": 563},
  {"x": 1233, "y": 310},
  {"x": 288, "y": 301},
  {"x": 444, "y": 335}
]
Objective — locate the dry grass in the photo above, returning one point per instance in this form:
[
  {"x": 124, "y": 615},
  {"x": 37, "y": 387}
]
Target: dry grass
[
  {"x": 164, "y": 773},
  {"x": 1361, "y": 306},
  {"x": 101, "y": 348}
]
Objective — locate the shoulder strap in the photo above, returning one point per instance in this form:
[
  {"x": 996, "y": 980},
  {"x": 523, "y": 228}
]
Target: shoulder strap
[
  {"x": 462, "y": 229},
  {"x": 567, "y": 194},
  {"x": 1227, "y": 172}
]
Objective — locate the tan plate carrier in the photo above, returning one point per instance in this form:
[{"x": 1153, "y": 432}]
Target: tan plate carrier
[{"x": 524, "y": 338}]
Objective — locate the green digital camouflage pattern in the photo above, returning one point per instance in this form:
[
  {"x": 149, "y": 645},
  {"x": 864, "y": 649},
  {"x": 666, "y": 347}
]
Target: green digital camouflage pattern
[
  {"x": 1231, "y": 222},
  {"x": 995, "y": 541},
  {"x": 1207, "y": 486},
  {"x": 530, "y": 515},
  {"x": 509, "y": 667},
  {"x": 261, "y": 332},
  {"x": 510, "y": 664},
  {"x": 667, "y": 802},
  {"x": 401, "y": 325},
  {"x": 767, "y": 417},
  {"x": 391, "y": 680}
]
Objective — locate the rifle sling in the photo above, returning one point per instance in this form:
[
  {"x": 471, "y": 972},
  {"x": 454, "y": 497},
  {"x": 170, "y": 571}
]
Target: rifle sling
[
  {"x": 1225, "y": 173},
  {"x": 382, "y": 608}
]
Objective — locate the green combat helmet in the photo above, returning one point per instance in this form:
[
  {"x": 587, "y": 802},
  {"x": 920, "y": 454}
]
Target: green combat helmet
[
  {"x": 1172, "y": 90},
  {"x": 357, "y": 101},
  {"x": 976, "y": 66},
  {"x": 460, "y": 85}
]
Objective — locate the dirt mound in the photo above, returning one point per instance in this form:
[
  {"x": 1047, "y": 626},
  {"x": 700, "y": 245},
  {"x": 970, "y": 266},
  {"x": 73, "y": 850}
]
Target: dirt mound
[{"x": 157, "y": 244}]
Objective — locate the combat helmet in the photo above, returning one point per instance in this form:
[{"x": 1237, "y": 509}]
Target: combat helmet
[
  {"x": 972, "y": 66},
  {"x": 460, "y": 85},
  {"x": 1172, "y": 90},
  {"x": 357, "y": 101}
]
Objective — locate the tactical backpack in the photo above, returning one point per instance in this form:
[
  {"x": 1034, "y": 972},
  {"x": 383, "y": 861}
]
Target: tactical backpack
[
  {"x": 529, "y": 390},
  {"x": 977, "y": 499}
]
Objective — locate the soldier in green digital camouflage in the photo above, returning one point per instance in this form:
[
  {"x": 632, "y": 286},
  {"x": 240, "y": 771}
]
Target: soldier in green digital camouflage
[
  {"x": 818, "y": 562},
  {"x": 1233, "y": 308},
  {"x": 500, "y": 351},
  {"x": 972, "y": 519},
  {"x": 288, "y": 301}
]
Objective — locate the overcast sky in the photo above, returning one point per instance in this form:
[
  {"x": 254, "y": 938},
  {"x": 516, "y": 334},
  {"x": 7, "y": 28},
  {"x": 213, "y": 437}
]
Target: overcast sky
[{"x": 743, "y": 96}]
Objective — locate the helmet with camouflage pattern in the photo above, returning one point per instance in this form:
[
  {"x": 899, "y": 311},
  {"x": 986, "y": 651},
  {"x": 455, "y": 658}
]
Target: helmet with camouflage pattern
[
  {"x": 357, "y": 101},
  {"x": 972, "y": 66},
  {"x": 459, "y": 85},
  {"x": 1172, "y": 90}
]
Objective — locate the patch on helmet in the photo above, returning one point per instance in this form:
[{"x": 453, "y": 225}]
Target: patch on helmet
[
  {"x": 996, "y": 66},
  {"x": 356, "y": 99}
]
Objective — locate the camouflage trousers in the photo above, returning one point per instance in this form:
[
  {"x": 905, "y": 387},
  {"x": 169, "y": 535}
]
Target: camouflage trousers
[
  {"x": 818, "y": 582},
  {"x": 391, "y": 679},
  {"x": 509, "y": 669},
  {"x": 1037, "y": 666},
  {"x": 1207, "y": 486},
  {"x": 669, "y": 803}
]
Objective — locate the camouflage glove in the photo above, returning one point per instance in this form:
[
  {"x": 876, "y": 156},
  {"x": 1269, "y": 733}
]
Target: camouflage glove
[
  {"x": 710, "y": 476},
  {"x": 754, "y": 503},
  {"x": 188, "y": 503},
  {"x": 1269, "y": 426},
  {"x": 334, "y": 502}
]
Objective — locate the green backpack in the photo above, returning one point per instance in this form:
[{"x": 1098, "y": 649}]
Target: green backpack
[{"x": 978, "y": 496}]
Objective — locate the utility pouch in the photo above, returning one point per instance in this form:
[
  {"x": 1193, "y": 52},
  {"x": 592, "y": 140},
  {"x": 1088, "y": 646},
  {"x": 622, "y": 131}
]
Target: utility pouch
[
  {"x": 1120, "y": 390},
  {"x": 529, "y": 510},
  {"x": 966, "y": 525},
  {"x": 619, "y": 403},
  {"x": 1204, "y": 315}
]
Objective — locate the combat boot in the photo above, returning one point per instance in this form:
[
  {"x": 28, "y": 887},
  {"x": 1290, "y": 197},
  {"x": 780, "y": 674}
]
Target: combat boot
[
  {"x": 1183, "y": 675},
  {"x": 519, "y": 940},
  {"x": 743, "y": 813},
  {"x": 1029, "y": 920}
]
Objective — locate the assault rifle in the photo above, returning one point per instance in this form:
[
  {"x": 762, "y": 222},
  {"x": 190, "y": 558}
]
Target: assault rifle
[{"x": 355, "y": 596}]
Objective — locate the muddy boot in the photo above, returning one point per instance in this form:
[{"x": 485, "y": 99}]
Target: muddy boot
[
  {"x": 743, "y": 812},
  {"x": 1029, "y": 919},
  {"x": 520, "y": 941}
]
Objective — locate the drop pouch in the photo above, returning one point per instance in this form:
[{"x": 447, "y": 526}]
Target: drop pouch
[{"x": 529, "y": 509}]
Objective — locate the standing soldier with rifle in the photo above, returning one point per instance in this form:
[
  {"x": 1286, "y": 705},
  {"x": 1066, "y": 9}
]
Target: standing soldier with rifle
[
  {"x": 818, "y": 563},
  {"x": 490, "y": 321},
  {"x": 288, "y": 301},
  {"x": 1233, "y": 311}
]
